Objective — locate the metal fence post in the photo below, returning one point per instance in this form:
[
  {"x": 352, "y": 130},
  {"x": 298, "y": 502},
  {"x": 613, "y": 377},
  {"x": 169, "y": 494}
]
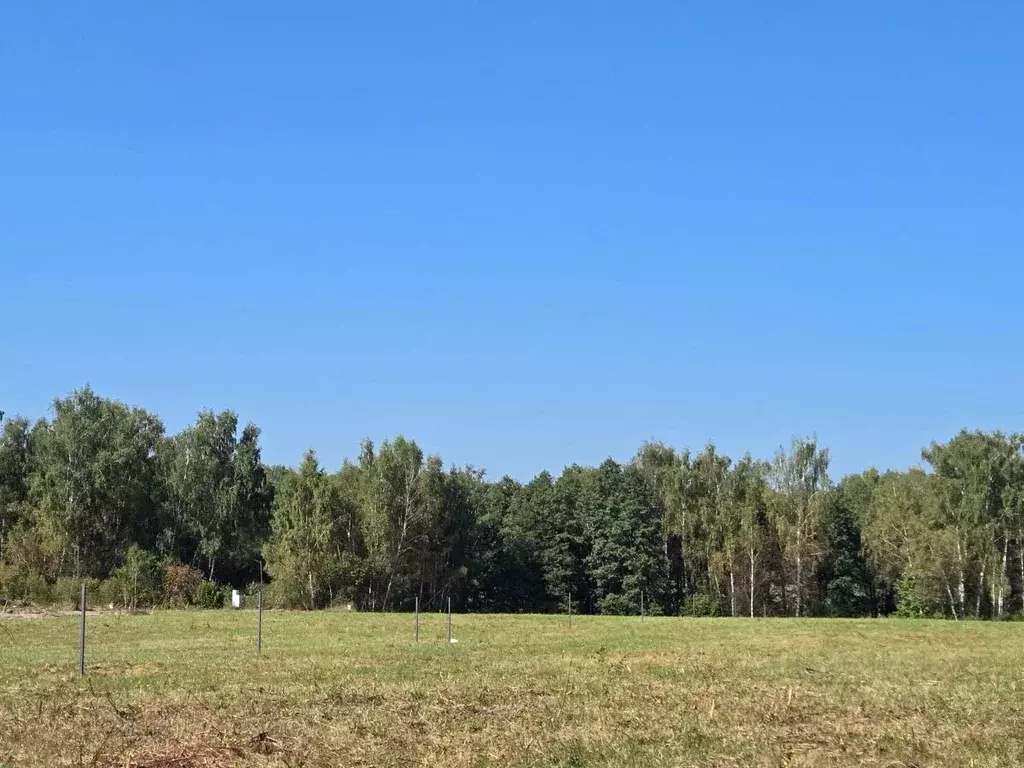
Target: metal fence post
[
  {"x": 259, "y": 622},
  {"x": 416, "y": 625},
  {"x": 569, "y": 596},
  {"x": 449, "y": 620}
]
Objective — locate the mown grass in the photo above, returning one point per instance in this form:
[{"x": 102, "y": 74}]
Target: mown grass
[{"x": 186, "y": 689}]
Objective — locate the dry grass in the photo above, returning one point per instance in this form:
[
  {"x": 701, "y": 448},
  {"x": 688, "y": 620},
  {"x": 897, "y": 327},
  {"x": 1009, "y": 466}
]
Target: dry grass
[{"x": 185, "y": 689}]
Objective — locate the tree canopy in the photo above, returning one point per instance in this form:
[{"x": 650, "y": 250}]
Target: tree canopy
[{"x": 98, "y": 489}]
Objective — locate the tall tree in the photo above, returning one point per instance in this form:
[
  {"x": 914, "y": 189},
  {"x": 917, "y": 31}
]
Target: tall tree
[
  {"x": 218, "y": 495},
  {"x": 712, "y": 512},
  {"x": 800, "y": 478},
  {"x": 843, "y": 573},
  {"x": 16, "y": 466},
  {"x": 302, "y": 553},
  {"x": 252, "y": 499},
  {"x": 972, "y": 472},
  {"x": 505, "y": 573},
  {"x": 96, "y": 489},
  {"x": 669, "y": 474},
  {"x": 901, "y": 533},
  {"x": 747, "y": 493},
  {"x": 397, "y": 518},
  {"x": 627, "y": 557}
]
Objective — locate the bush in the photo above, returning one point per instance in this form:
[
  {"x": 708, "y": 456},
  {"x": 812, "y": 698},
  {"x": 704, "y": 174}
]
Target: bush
[
  {"x": 701, "y": 604},
  {"x": 913, "y": 600},
  {"x": 180, "y": 584},
  {"x": 67, "y": 592},
  {"x": 109, "y": 592},
  {"x": 22, "y": 585},
  {"x": 251, "y": 594},
  {"x": 139, "y": 582},
  {"x": 617, "y": 604},
  {"x": 210, "y": 594}
]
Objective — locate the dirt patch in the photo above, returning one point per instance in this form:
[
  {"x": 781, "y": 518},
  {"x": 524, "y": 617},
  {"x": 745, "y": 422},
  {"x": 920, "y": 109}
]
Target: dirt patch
[
  {"x": 35, "y": 613},
  {"x": 19, "y": 613},
  {"x": 21, "y": 610}
]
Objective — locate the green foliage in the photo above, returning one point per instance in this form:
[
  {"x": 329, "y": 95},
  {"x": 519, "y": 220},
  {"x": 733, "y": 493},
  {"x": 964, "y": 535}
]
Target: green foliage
[
  {"x": 99, "y": 492},
  {"x": 843, "y": 569},
  {"x": 97, "y": 485},
  {"x": 67, "y": 592},
  {"x": 800, "y": 481},
  {"x": 302, "y": 552},
  {"x": 210, "y": 594},
  {"x": 139, "y": 582},
  {"x": 627, "y": 556},
  {"x": 912, "y": 601},
  {"x": 17, "y": 584},
  {"x": 180, "y": 584},
  {"x": 219, "y": 494},
  {"x": 701, "y": 604}
]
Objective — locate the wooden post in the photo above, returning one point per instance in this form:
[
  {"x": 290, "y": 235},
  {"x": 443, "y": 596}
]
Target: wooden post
[
  {"x": 416, "y": 626},
  {"x": 641, "y": 605},
  {"x": 449, "y": 620},
  {"x": 569, "y": 596},
  {"x": 81, "y": 637},
  {"x": 259, "y": 622}
]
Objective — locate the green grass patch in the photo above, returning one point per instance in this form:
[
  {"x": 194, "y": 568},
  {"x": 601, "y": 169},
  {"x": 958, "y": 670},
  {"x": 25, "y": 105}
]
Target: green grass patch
[{"x": 331, "y": 688}]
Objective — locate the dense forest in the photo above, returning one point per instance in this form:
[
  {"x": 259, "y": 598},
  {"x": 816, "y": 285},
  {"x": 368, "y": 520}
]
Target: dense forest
[{"x": 99, "y": 492}]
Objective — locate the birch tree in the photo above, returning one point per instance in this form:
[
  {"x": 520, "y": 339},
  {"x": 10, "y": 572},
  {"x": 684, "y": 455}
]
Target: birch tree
[
  {"x": 800, "y": 478},
  {"x": 302, "y": 551}
]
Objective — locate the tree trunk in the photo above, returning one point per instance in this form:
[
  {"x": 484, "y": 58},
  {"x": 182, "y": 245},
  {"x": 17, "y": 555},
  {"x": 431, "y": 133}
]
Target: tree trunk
[
  {"x": 961, "y": 586},
  {"x": 1003, "y": 576},
  {"x": 751, "y": 582},
  {"x": 1020, "y": 540},
  {"x": 732, "y": 591},
  {"x": 952, "y": 602},
  {"x": 799, "y": 572},
  {"x": 401, "y": 543},
  {"x": 717, "y": 586},
  {"x": 981, "y": 591}
]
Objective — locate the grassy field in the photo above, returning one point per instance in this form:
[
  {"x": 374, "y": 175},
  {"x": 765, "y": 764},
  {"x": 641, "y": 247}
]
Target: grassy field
[{"x": 186, "y": 689}]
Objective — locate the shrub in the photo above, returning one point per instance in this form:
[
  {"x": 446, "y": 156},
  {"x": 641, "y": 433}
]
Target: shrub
[
  {"x": 912, "y": 599},
  {"x": 251, "y": 593},
  {"x": 701, "y": 604},
  {"x": 67, "y": 592},
  {"x": 180, "y": 584},
  {"x": 139, "y": 581},
  {"x": 210, "y": 594},
  {"x": 28, "y": 586}
]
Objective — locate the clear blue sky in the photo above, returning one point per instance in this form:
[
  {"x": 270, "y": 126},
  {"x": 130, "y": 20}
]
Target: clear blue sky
[{"x": 524, "y": 234}]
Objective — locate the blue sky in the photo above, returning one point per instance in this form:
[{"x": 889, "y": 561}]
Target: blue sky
[{"x": 523, "y": 234}]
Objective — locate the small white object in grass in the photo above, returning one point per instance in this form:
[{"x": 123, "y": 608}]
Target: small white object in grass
[
  {"x": 236, "y": 599},
  {"x": 453, "y": 640}
]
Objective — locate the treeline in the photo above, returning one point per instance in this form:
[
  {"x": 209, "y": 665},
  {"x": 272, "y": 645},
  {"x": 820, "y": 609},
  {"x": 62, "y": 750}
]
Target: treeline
[{"x": 99, "y": 491}]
